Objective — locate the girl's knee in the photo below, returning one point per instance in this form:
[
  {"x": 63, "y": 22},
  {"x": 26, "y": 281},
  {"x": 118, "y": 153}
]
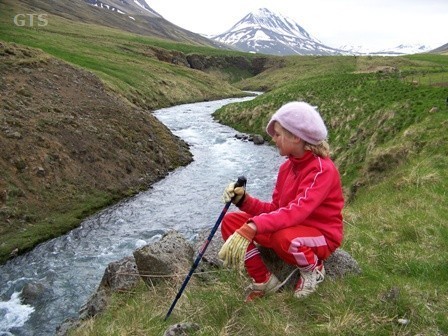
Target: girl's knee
[{"x": 231, "y": 222}]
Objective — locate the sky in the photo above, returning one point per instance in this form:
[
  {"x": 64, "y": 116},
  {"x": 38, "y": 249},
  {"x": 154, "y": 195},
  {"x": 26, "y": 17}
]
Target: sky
[{"x": 373, "y": 24}]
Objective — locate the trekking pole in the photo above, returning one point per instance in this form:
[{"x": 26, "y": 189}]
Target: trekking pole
[{"x": 240, "y": 183}]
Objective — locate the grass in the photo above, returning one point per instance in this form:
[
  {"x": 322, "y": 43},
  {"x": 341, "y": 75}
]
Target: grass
[{"x": 49, "y": 222}]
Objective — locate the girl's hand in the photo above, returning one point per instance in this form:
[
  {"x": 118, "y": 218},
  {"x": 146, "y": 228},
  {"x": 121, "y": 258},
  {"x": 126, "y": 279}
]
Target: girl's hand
[{"x": 234, "y": 249}]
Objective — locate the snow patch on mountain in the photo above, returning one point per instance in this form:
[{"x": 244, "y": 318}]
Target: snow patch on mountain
[{"x": 125, "y": 6}]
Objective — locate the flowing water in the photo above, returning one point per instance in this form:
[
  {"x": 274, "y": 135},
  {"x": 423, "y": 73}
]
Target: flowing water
[{"x": 68, "y": 269}]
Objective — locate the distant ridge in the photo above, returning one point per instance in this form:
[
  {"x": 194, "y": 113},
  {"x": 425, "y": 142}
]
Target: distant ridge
[{"x": 442, "y": 49}]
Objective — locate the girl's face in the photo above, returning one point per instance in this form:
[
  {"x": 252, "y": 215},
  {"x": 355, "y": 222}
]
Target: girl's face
[{"x": 287, "y": 143}]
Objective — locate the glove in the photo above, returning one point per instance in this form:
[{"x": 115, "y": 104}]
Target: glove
[
  {"x": 234, "y": 249},
  {"x": 236, "y": 195}
]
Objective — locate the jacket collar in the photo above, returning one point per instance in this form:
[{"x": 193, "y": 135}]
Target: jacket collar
[{"x": 296, "y": 161}]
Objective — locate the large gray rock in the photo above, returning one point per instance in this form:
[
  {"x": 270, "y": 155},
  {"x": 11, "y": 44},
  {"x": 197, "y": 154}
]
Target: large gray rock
[
  {"x": 258, "y": 139},
  {"x": 169, "y": 256},
  {"x": 33, "y": 291}
]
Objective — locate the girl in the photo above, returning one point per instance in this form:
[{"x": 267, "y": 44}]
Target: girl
[{"x": 303, "y": 222}]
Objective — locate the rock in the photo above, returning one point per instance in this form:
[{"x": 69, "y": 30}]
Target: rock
[
  {"x": 341, "y": 263},
  {"x": 257, "y": 139},
  {"x": 67, "y": 326},
  {"x": 14, "y": 253},
  {"x": 40, "y": 171},
  {"x": 167, "y": 257},
  {"x": 434, "y": 109},
  {"x": 403, "y": 321},
  {"x": 120, "y": 275},
  {"x": 240, "y": 136},
  {"x": 181, "y": 329},
  {"x": 16, "y": 135},
  {"x": 31, "y": 291},
  {"x": 95, "y": 305}
]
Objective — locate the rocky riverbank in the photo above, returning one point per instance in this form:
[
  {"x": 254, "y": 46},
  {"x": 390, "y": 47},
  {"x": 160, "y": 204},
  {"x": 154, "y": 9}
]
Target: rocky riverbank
[{"x": 160, "y": 261}]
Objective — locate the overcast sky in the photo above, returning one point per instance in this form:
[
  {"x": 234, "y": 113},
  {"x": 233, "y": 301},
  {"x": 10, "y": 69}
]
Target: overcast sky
[{"x": 373, "y": 24}]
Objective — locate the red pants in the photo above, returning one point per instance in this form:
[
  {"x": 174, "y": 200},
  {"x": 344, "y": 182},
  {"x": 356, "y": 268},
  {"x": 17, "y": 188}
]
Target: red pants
[{"x": 302, "y": 246}]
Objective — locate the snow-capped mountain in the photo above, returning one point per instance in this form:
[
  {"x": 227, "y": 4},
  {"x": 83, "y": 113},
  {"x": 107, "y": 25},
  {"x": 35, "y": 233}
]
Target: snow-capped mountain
[
  {"x": 405, "y": 49},
  {"x": 264, "y": 31},
  {"x": 402, "y": 49}
]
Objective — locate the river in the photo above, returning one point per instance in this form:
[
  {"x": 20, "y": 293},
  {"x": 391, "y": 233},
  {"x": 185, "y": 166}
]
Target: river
[{"x": 69, "y": 268}]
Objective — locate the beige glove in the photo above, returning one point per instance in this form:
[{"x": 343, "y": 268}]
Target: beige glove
[
  {"x": 233, "y": 194},
  {"x": 234, "y": 249}
]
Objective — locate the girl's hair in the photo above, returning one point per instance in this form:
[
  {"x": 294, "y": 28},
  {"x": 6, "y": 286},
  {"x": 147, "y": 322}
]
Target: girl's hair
[{"x": 322, "y": 149}]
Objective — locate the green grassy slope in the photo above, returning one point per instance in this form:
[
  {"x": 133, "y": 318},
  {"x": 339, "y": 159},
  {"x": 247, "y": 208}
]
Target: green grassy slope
[
  {"x": 367, "y": 113},
  {"x": 125, "y": 62}
]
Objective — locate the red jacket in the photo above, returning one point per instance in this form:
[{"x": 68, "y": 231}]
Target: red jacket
[{"x": 307, "y": 192}]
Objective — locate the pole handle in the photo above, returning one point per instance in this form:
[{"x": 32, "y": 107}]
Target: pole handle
[{"x": 241, "y": 182}]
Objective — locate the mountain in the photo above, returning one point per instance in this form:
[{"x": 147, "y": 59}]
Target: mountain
[
  {"x": 406, "y": 49},
  {"x": 264, "y": 31},
  {"x": 402, "y": 49},
  {"x": 441, "y": 50}
]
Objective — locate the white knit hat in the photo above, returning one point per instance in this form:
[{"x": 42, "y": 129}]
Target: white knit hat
[{"x": 302, "y": 120}]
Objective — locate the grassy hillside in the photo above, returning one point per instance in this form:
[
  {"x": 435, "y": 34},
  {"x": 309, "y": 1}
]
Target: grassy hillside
[
  {"x": 138, "y": 21},
  {"x": 127, "y": 63},
  {"x": 368, "y": 103}
]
